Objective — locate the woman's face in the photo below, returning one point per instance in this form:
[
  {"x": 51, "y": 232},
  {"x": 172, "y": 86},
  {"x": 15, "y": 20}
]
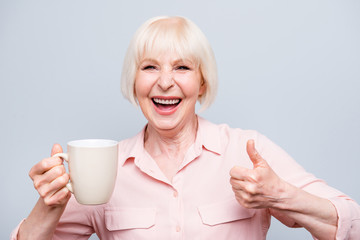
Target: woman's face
[{"x": 167, "y": 88}]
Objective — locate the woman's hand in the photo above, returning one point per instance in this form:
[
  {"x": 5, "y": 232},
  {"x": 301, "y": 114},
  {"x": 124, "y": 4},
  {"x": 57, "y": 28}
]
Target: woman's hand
[
  {"x": 50, "y": 179},
  {"x": 259, "y": 187}
]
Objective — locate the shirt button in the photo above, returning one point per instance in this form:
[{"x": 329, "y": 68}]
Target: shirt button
[
  {"x": 175, "y": 194},
  {"x": 178, "y": 228}
]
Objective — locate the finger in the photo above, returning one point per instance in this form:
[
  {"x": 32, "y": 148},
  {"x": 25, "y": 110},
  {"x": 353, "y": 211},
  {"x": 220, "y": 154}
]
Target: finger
[
  {"x": 243, "y": 174},
  {"x": 47, "y": 163},
  {"x": 244, "y": 186},
  {"x": 250, "y": 200},
  {"x": 58, "y": 183},
  {"x": 255, "y": 157},
  {"x": 44, "y": 165},
  {"x": 51, "y": 188},
  {"x": 56, "y": 149},
  {"x": 59, "y": 197},
  {"x": 245, "y": 199},
  {"x": 236, "y": 184},
  {"x": 240, "y": 173},
  {"x": 49, "y": 176}
]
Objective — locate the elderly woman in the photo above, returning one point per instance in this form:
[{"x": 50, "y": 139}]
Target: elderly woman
[{"x": 183, "y": 177}]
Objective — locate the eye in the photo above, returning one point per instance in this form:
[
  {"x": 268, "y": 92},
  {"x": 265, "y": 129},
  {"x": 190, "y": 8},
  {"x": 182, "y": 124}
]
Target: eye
[
  {"x": 148, "y": 67},
  {"x": 183, "y": 67}
]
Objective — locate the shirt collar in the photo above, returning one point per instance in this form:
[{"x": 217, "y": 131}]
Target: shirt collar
[
  {"x": 207, "y": 136},
  {"x": 132, "y": 147}
]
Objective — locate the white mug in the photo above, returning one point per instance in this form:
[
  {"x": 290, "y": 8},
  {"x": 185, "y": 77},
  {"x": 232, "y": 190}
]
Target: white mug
[{"x": 92, "y": 169}]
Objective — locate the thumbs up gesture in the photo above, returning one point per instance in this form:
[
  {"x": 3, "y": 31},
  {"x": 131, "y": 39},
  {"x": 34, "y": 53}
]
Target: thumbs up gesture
[{"x": 259, "y": 187}]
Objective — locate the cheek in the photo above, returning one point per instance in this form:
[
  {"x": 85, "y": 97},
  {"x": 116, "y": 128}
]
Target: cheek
[
  {"x": 190, "y": 86},
  {"x": 137, "y": 89},
  {"x": 142, "y": 86}
]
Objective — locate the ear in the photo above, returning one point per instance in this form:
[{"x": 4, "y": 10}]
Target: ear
[
  {"x": 135, "y": 101},
  {"x": 134, "y": 92},
  {"x": 202, "y": 87}
]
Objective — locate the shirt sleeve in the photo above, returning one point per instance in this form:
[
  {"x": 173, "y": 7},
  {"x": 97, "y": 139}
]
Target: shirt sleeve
[
  {"x": 348, "y": 218},
  {"x": 75, "y": 223},
  {"x": 347, "y": 209}
]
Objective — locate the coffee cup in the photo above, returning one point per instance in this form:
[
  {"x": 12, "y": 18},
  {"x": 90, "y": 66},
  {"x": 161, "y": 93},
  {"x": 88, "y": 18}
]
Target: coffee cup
[{"x": 92, "y": 167}]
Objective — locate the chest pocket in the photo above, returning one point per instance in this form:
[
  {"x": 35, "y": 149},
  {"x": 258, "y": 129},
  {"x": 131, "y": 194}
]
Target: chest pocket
[
  {"x": 224, "y": 212},
  {"x": 129, "y": 218}
]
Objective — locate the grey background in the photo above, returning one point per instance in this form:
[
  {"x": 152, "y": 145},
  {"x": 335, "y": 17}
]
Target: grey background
[{"x": 289, "y": 69}]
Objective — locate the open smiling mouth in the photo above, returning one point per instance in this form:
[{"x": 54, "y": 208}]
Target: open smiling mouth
[{"x": 166, "y": 104}]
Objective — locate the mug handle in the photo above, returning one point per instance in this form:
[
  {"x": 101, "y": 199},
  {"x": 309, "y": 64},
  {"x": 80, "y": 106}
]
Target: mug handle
[{"x": 65, "y": 156}]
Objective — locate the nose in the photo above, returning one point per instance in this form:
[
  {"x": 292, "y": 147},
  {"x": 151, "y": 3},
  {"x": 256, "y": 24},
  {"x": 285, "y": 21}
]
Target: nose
[{"x": 166, "y": 80}]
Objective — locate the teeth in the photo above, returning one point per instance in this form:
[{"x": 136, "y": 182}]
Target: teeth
[{"x": 166, "y": 101}]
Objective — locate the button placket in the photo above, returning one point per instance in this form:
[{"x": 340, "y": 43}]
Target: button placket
[{"x": 177, "y": 204}]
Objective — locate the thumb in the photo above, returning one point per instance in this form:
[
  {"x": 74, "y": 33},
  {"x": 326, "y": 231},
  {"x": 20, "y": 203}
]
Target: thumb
[
  {"x": 255, "y": 157},
  {"x": 56, "y": 149}
]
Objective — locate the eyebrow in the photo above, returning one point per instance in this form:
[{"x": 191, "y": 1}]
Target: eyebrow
[
  {"x": 177, "y": 61},
  {"x": 148, "y": 60}
]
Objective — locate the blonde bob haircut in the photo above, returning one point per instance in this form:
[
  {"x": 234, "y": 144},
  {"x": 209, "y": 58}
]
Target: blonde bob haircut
[{"x": 161, "y": 35}]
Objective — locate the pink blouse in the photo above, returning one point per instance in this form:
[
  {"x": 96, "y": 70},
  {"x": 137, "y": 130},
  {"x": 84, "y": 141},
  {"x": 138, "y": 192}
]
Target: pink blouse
[{"x": 199, "y": 203}]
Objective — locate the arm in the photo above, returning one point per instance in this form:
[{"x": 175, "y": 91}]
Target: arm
[
  {"x": 41, "y": 222},
  {"x": 316, "y": 214},
  {"x": 50, "y": 178},
  {"x": 261, "y": 187}
]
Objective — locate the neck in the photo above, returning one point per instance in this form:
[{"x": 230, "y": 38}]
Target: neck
[{"x": 173, "y": 142}]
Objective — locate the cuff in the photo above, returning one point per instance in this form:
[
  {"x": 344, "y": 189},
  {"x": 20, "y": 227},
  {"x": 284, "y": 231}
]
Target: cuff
[{"x": 346, "y": 210}]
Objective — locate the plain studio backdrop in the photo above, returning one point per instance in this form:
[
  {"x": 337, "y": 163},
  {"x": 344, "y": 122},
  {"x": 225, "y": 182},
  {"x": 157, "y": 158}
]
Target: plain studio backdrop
[{"x": 289, "y": 69}]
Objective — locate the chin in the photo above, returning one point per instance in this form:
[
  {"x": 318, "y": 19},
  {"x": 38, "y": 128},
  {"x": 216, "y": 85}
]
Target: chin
[{"x": 166, "y": 125}]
